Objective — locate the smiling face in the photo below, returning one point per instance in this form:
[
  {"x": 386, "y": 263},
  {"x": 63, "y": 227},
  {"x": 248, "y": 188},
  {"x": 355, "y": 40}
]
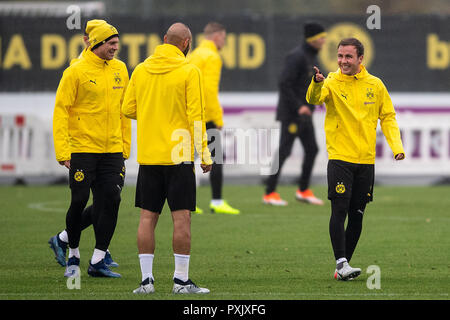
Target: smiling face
[
  {"x": 107, "y": 50},
  {"x": 348, "y": 60}
]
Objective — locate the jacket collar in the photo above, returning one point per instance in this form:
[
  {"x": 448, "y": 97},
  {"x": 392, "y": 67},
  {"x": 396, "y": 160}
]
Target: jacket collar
[
  {"x": 209, "y": 44},
  {"x": 92, "y": 58},
  {"x": 166, "y": 58},
  {"x": 360, "y": 75}
]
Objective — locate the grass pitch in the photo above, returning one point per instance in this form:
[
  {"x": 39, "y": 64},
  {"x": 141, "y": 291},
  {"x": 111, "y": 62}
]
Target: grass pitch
[{"x": 265, "y": 253}]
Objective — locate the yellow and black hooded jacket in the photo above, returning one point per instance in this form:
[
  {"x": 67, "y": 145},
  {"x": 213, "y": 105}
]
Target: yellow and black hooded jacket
[
  {"x": 165, "y": 96},
  {"x": 87, "y": 116},
  {"x": 354, "y": 104}
]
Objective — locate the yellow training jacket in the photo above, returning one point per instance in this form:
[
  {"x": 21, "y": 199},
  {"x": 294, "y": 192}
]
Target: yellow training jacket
[
  {"x": 80, "y": 56},
  {"x": 87, "y": 116},
  {"x": 206, "y": 57},
  {"x": 165, "y": 97},
  {"x": 354, "y": 104}
]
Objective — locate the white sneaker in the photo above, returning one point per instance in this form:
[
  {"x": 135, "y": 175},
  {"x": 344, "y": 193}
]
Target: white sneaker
[
  {"x": 346, "y": 272},
  {"x": 187, "y": 287},
  {"x": 145, "y": 287}
]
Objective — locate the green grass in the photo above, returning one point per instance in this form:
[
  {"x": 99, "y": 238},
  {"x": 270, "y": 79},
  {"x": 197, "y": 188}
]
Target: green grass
[{"x": 265, "y": 253}]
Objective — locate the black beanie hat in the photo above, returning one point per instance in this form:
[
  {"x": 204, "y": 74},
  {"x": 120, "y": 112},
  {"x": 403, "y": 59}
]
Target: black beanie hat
[{"x": 311, "y": 29}]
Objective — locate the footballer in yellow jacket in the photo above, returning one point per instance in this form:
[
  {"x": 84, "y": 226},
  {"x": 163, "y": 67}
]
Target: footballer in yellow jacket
[
  {"x": 207, "y": 58},
  {"x": 92, "y": 139},
  {"x": 165, "y": 96},
  {"x": 59, "y": 242},
  {"x": 355, "y": 100}
]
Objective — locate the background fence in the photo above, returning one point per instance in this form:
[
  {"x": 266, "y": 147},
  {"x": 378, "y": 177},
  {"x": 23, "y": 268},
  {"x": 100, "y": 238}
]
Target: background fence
[{"x": 27, "y": 154}]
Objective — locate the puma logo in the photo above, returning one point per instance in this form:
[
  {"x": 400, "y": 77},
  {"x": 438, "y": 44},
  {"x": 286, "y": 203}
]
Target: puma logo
[
  {"x": 344, "y": 95},
  {"x": 93, "y": 81}
]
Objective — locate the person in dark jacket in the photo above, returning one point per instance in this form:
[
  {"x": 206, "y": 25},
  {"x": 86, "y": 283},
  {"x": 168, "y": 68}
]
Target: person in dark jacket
[{"x": 295, "y": 114}]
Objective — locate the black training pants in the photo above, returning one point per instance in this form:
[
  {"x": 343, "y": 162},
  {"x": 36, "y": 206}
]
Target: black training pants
[
  {"x": 215, "y": 147},
  {"x": 104, "y": 174},
  {"x": 350, "y": 188},
  {"x": 303, "y": 129}
]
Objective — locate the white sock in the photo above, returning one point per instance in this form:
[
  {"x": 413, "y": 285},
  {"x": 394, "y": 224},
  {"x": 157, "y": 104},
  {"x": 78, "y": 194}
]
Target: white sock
[
  {"x": 181, "y": 267},
  {"x": 146, "y": 261},
  {"x": 217, "y": 202},
  {"x": 97, "y": 256},
  {"x": 63, "y": 236},
  {"x": 74, "y": 252}
]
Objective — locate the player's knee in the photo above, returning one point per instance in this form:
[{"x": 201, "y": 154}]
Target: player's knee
[
  {"x": 356, "y": 213},
  {"x": 312, "y": 150},
  {"x": 284, "y": 153},
  {"x": 315, "y": 150},
  {"x": 79, "y": 199},
  {"x": 339, "y": 207},
  {"x": 112, "y": 194}
]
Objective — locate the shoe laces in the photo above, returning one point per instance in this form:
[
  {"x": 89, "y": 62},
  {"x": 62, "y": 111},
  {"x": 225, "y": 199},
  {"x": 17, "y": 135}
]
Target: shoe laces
[{"x": 147, "y": 281}]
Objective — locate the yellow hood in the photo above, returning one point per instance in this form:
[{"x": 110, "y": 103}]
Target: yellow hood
[{"x": 166, "y": 58}]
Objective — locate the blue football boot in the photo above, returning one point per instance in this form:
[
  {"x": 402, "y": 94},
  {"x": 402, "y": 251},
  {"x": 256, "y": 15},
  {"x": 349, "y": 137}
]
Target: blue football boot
[
  {"x": 109, "y": 261},
  {"x": 101, "y": 270},
  {"x": 59, "y": 249}
]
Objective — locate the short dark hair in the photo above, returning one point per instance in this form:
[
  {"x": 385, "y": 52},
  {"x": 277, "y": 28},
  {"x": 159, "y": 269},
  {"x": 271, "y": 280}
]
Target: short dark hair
[
  {"x": 353, "y": 42},
  {"x": 213, "y": 27}
]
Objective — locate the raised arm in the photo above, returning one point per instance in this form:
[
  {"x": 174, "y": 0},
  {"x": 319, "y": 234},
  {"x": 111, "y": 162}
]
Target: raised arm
[{"x": 317, "y": 91}]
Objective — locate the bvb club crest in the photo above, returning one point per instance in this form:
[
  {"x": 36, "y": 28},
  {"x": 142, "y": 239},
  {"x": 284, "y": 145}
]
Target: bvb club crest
[
  {"x": 117, "y": 78},
  {"x": 369, "y": 93},
  {"x": 79, "y": 176},
  {"x": 340, "y": 188},
  {"x": 292, "y": 128}
]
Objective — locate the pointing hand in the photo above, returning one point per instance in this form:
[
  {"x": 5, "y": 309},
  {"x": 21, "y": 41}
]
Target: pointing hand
[{"x": 318, "y": 77}]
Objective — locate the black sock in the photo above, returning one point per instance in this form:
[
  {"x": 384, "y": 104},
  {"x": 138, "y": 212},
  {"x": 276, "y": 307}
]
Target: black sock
[
  {"x": 339, "y": 208},
  {"x": 354, "y": 228},
  {"x": 216, "y": 179}
]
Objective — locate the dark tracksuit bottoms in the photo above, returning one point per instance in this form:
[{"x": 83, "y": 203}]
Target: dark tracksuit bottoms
[{"x": 104, "y": 174}]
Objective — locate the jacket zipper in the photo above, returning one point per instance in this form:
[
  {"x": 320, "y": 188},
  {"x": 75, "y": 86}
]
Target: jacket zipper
[
  {"x": 358, "y": 109},
  {"x": 107, "y": 105}
]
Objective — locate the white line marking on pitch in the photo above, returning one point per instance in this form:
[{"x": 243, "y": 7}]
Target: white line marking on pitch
[{"x": 48, "y": 206}]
